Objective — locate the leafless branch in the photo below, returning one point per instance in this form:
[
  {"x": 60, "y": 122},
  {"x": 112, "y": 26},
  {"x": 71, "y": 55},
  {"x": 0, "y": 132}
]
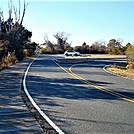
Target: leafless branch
[
  {"x": 15, "y": 13},
  {"x": 1, "y": 15},
  {"x": 61, "y": 35},
  {"x": 24, "y": 11},
  {"x": 19, "y": 11},
  {"x": 46, "y": 38},
  {"x": 10, "y": 5}
]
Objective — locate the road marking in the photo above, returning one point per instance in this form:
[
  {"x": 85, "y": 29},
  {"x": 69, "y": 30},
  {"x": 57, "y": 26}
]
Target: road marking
[
  {"x": 34, "y": 103},
  {"x": 126, "y": 98},
  {"x": 101, "y": 87}
]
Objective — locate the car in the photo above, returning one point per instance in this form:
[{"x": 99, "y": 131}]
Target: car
[{"x": 71, "y": 53}]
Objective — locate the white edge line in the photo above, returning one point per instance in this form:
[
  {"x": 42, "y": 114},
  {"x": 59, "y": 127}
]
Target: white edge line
[
  {"x": 104, "y": 68},
  {"x": 35, "y": 105}
]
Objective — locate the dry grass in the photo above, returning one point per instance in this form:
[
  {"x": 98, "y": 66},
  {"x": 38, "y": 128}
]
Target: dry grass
[
  {"x": 121, "y": 70},
  {"x": 105, "y": 56},
  {"x": 1, "y": 67},
  {"x": 10, "y": 60}
]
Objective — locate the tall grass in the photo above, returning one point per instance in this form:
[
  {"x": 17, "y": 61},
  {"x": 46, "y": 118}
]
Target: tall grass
[{"x": 8, "y": 60}]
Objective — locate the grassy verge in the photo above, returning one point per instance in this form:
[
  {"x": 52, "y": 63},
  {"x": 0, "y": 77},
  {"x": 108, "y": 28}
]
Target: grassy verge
[{"x": 121, "y": 70}]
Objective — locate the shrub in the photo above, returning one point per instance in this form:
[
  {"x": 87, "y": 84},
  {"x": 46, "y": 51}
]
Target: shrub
[
  {"x": 43, "y": 51},
  {"x": 8, "y": 60}
]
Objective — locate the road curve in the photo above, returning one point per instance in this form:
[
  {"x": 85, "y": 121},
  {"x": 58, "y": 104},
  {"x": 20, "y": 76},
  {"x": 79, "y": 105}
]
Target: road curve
[
  {"x": 116, "y": 85},
  {"x": 79, "y": 108},
  {"x": 92, "y": 83}
]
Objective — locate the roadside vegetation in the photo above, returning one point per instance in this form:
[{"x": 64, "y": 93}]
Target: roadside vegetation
[
  {"x": 15, "y": 41},
  {"x": 122, "y": 70},
  {"x": 125, "y": 69}
]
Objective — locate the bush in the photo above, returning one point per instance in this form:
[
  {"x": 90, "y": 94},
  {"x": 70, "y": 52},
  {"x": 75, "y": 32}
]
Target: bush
[
  {"x": 130, "y": 54},
  {"x": 43, "y": 51},
  {"x": 19, "y": 54},
  {"x": 28, "y": 52},
  {"x": 130, "y": 65},
  {"x": 8, "y": 60}
]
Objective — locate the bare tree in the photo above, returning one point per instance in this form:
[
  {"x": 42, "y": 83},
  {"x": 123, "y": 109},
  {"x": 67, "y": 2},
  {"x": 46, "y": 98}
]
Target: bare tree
[
  {"x": 6, "y": 26},
  {"x": 62, "y": 38},
  {"x": 98, "y": 47},
  {"x": 48, "y": 44}
]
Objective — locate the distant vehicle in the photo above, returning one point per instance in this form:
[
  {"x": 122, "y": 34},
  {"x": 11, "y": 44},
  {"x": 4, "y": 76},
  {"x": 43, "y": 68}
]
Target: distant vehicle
[{"x": 71, "y": 53}]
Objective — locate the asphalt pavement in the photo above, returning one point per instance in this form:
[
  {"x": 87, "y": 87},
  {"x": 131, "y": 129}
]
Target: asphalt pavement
[
  {"x": 15, "y": 117},
  {"x": 77, "y": 107}
]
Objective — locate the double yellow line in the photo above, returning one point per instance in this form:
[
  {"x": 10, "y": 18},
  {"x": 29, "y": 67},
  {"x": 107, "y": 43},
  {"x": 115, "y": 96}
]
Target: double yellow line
[{"x": 126, "y": 98}]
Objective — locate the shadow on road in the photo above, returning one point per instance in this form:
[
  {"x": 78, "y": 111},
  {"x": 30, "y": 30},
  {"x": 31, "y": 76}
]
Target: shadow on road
[
  {"x": 68, "y": 88},
  {"x": 14, "y": 115}
]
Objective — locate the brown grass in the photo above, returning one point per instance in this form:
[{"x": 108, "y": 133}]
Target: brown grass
[
  {"x": 105, "y": 56},
  {"x": 122, "y": 70},
  {"x": 10, "y": 60}
]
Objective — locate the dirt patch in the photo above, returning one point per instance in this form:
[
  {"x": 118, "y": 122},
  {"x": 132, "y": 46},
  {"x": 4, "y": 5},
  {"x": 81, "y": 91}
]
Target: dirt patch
[
  {"x": 121, "y": 70},
  {"x": 97, "y": 56}
]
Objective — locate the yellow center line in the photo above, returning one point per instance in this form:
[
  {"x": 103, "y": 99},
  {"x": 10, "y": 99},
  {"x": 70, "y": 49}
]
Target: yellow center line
[{"x": 70, "y": 72}]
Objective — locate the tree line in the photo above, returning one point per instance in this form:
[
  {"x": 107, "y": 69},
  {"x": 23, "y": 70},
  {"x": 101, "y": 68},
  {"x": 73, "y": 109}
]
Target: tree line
[
  {"x": 15, "y": 41},
  {"x": 98, "y": 47}
]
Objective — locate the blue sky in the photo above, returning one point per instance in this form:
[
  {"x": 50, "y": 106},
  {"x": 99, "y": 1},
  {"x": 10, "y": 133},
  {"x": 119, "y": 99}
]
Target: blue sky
[{"x": 86, "y": 21}]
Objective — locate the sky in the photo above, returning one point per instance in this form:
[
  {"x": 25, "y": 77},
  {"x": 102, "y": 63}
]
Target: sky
[{"x": 84, "y": 20}]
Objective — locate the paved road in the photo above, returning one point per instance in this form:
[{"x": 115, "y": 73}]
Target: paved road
[
  {"x": 15, "y": 117},
  {"x": 77, "y": 107}
]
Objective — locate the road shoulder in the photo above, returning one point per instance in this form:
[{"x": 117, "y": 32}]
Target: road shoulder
[{"x": 15, "y": 117}]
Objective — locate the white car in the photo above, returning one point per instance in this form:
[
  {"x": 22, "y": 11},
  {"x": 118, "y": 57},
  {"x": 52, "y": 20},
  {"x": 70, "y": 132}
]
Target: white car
[{"x": 71, "y": 53}]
